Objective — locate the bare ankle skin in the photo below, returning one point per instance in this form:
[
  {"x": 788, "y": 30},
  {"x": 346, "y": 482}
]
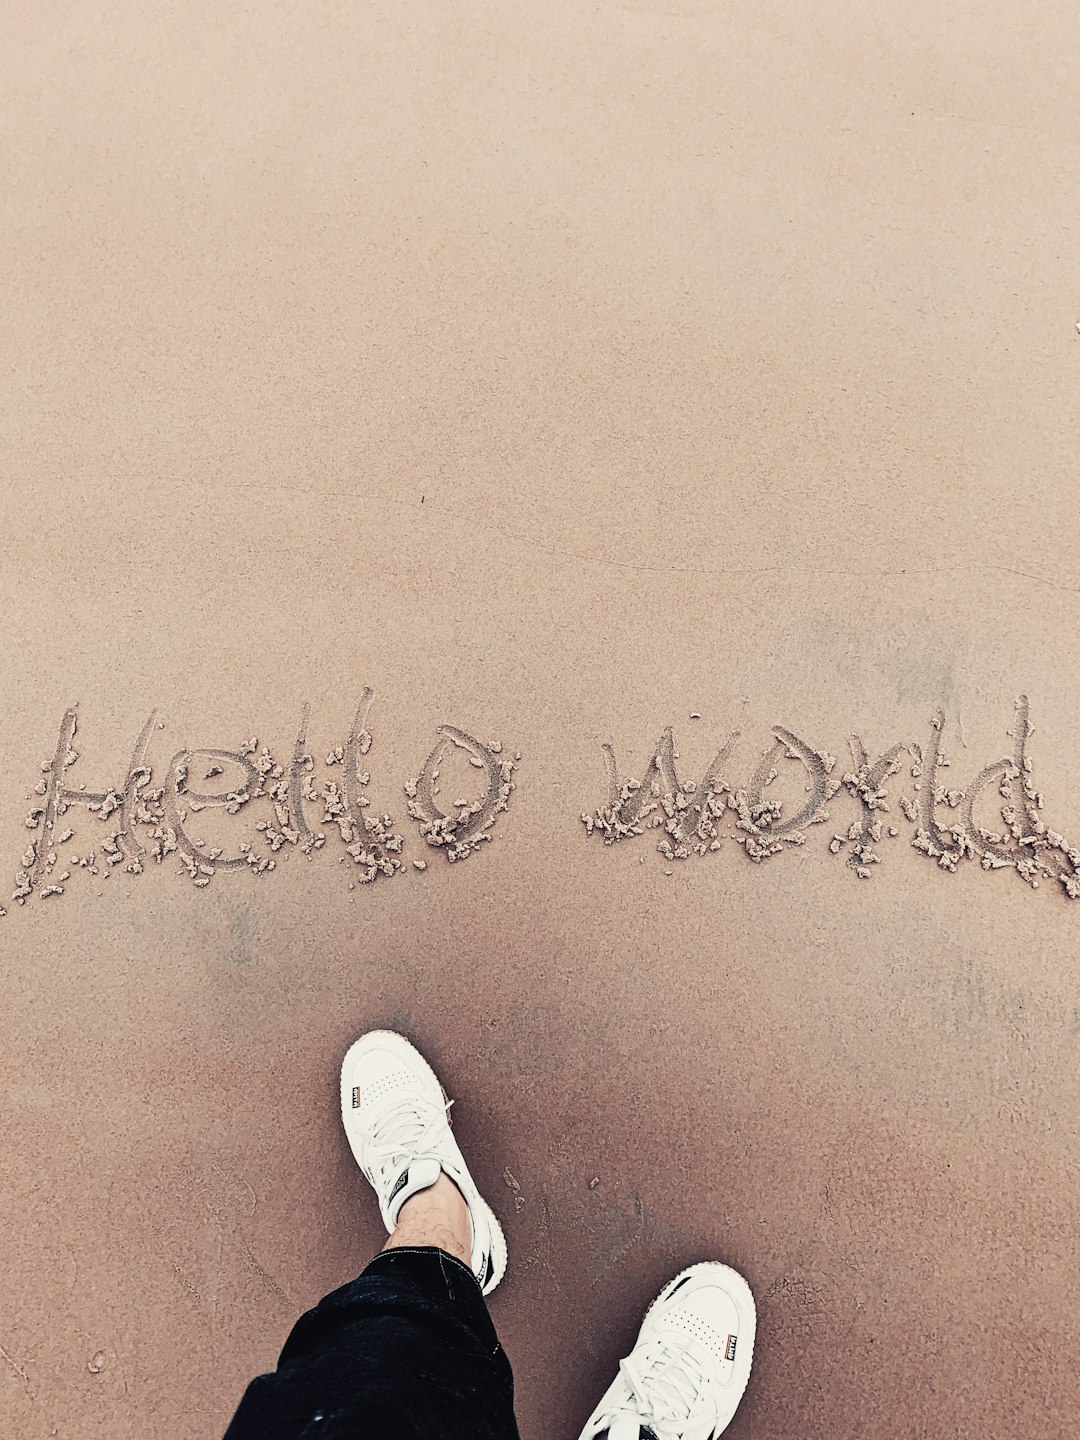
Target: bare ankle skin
[{"x": 437, "y": 1216}]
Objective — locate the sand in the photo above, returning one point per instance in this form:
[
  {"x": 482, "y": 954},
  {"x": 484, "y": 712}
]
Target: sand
[{"x": 419, "y": 423}]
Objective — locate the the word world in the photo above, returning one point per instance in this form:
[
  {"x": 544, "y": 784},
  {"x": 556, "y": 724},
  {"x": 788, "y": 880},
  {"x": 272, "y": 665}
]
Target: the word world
[{"x": 692, "y": 816}]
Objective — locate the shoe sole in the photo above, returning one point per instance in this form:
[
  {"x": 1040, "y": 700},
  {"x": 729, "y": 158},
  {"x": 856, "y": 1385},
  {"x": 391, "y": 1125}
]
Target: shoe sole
[{"x": 497, "y": 1240}]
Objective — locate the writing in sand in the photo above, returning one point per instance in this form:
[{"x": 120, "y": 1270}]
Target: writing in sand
[{"x": 266, "y": 806}]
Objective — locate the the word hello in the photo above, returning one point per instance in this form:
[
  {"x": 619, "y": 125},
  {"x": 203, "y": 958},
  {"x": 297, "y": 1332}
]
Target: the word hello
[{"x": 145, "y": 824}]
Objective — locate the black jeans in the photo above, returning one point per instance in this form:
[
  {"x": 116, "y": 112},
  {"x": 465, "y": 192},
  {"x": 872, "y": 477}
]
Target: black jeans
[{"x": 407, "y": 1350}]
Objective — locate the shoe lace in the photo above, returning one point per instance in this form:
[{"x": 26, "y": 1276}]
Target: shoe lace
[
  {"x": 667, "y": 1383},
  {"x": 404, "y": 1132}
]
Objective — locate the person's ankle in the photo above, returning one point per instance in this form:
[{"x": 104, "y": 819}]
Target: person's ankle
[{"x": 436, "y": 1216}]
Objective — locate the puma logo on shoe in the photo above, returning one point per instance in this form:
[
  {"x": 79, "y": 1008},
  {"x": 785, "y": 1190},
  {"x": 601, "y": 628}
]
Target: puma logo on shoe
[
  {"x": 356, "y": 1097},
  {"x": 732, "y": 1341},
  {"x": 402, "y": 1181}
]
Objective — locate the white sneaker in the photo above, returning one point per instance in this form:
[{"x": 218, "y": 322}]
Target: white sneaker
[
  {"x": 395, "y": 1116},
  {"x": 686, "y": 1374}
]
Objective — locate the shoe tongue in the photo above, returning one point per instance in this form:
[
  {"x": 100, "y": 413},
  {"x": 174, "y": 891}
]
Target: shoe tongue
[{"x": 420, "y": 1175}]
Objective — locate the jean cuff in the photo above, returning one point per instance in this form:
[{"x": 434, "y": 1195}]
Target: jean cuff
[{"x": 425, "y": 1263}]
